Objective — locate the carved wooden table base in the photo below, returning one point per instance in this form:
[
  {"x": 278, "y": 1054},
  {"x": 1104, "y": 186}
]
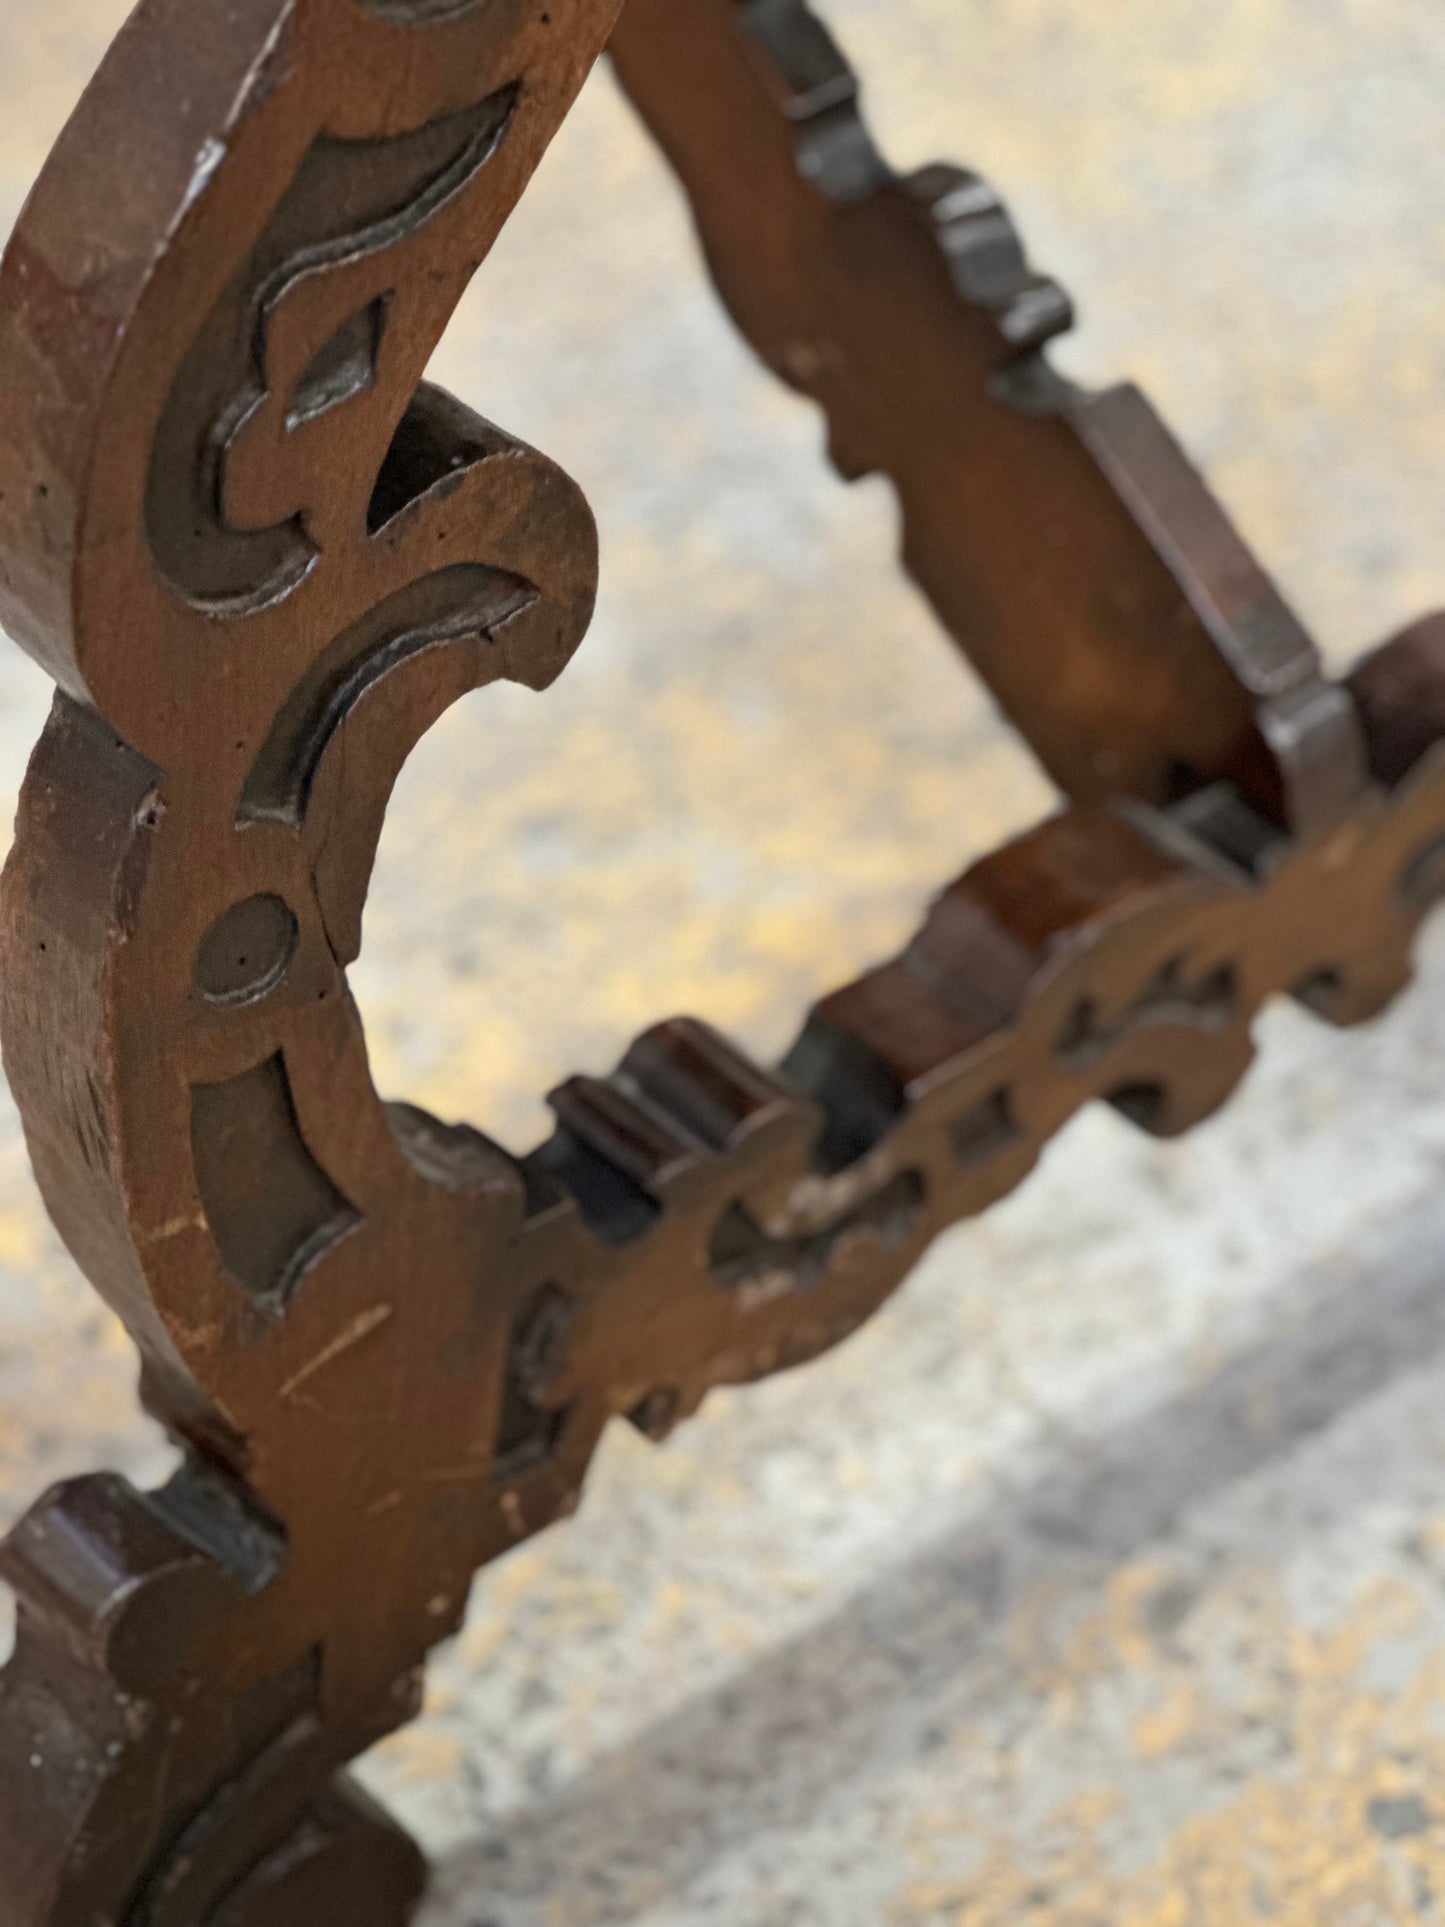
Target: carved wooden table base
[{"x": 260, "y": 560}]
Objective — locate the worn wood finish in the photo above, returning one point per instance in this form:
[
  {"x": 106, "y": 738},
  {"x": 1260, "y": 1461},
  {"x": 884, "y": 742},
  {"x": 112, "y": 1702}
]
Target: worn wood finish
[
  {"x": 1063, "y": 537},
  {"x": 260, "y": 557}
]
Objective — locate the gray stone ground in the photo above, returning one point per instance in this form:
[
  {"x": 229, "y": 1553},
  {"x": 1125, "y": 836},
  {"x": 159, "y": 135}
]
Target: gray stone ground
[{"x": 1103, "y": 1579}]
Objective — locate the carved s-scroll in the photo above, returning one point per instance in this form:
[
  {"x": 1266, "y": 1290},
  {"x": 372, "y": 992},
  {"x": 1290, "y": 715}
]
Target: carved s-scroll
[
  {"x": 252, "y": 475},
  {"x": 261, "y": 555},
  {"x": 261, "y": 558}
]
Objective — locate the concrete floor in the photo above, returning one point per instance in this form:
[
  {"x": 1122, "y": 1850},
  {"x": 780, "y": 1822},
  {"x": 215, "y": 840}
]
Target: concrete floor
[{"x": 1102, "y": 1581}]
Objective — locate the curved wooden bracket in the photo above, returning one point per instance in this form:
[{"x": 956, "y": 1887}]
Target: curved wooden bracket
[
  {"x": 260, "y": 557},
  {"x": 1063, "y": 537}
]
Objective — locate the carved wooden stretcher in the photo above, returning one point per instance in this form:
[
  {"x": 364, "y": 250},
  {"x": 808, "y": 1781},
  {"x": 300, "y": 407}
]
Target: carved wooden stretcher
[{"x": 259, "y": 560}]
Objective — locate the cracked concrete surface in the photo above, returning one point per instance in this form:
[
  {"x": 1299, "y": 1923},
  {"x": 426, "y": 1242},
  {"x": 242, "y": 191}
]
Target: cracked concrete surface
[{"x": 1102, "y": 1580}]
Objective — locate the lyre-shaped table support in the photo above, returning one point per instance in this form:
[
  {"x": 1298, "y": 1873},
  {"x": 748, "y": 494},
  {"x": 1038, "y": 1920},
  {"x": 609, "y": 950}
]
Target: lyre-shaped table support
[{"x": 260, "y": 556}]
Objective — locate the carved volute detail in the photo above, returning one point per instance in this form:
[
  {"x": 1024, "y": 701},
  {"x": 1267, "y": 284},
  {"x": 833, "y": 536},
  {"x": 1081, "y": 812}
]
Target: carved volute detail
[{"x": 260, "y": 556}]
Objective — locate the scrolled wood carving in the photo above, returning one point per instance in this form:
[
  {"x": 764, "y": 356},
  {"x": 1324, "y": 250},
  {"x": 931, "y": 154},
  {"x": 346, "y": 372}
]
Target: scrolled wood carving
[{"x": 260, "y": 556}]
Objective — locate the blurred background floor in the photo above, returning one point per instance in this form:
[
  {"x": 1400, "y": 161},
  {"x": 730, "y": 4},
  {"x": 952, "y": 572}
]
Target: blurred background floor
[{"x": 1103, "y": 1579}]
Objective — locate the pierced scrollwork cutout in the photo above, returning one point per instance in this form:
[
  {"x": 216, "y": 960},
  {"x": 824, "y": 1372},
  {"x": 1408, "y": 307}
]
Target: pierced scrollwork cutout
[{"x": 261, "y": 556}]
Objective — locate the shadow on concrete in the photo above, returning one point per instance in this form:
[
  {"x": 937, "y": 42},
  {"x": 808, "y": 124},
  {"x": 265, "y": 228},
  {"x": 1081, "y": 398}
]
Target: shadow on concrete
[{"x": 859, "y": 1690}]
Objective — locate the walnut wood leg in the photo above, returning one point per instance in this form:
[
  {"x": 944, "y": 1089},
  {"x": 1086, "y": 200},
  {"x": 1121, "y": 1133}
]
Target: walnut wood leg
[{"x": 260, "y": 556}]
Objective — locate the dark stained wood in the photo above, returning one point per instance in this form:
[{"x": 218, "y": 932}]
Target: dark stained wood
[
  {"x": 1063, "y": 537},
  {"x": 260, "y": 557}
]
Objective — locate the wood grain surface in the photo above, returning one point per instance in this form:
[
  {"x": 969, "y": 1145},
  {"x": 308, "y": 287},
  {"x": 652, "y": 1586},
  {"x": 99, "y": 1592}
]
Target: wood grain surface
[{"x": 1310, "y": 390}]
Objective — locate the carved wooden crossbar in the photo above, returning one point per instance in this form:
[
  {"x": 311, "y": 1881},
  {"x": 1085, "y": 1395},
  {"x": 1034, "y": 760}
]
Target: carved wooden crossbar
[{"x": 260, "y": 556}]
